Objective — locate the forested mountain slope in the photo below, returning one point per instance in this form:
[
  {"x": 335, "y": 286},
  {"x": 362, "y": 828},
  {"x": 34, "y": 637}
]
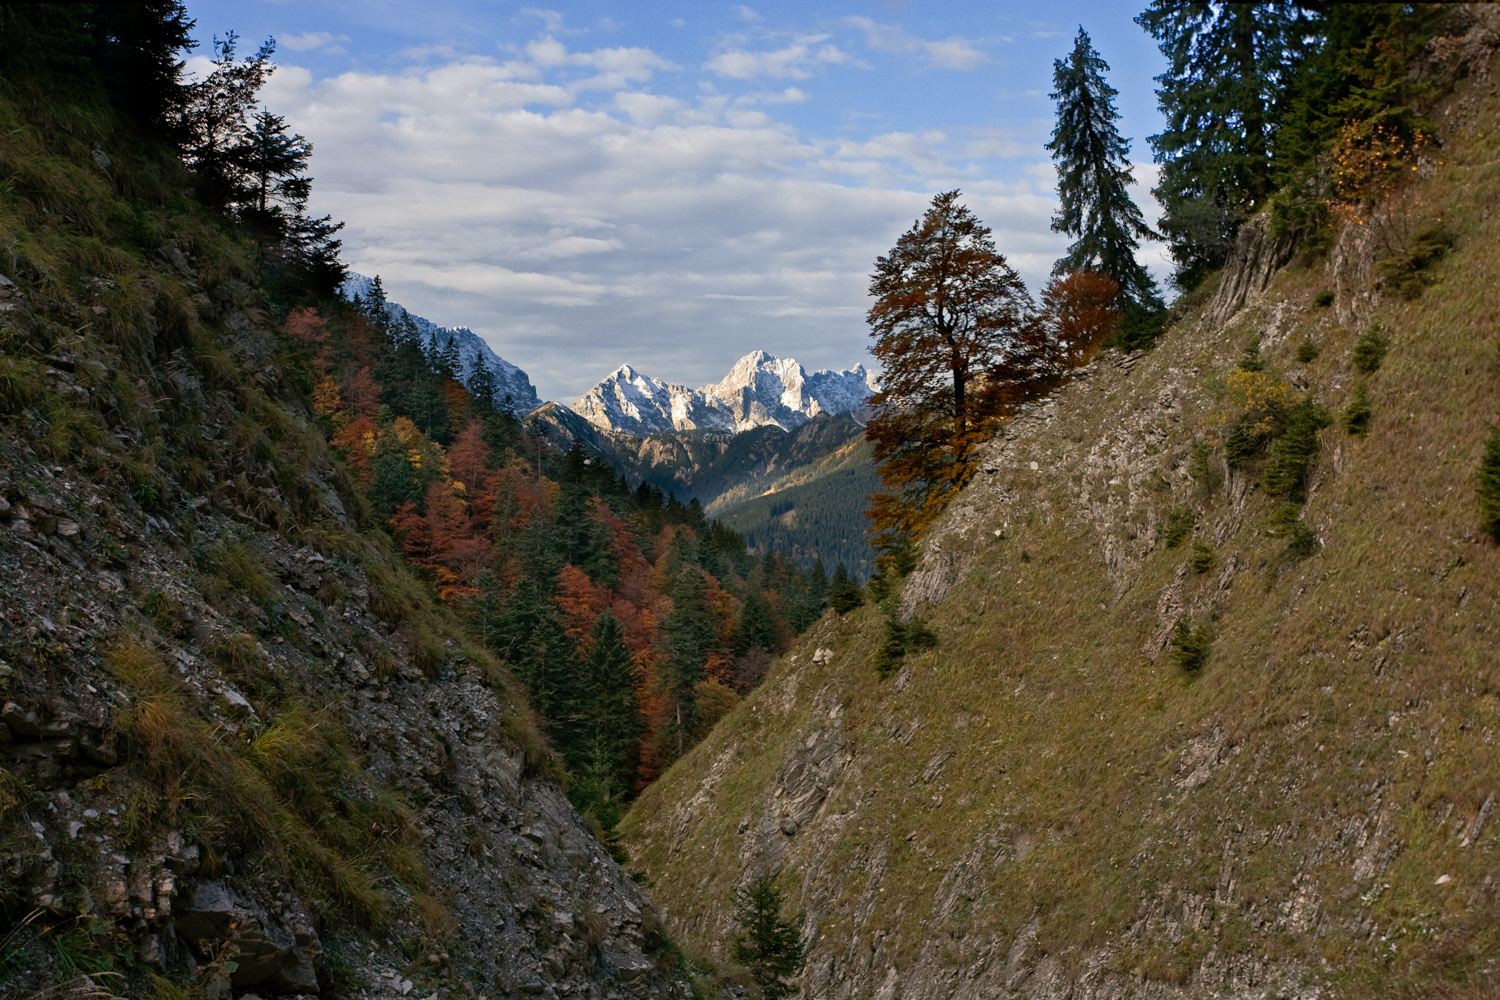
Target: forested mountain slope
[
  {"x": 735, "y": 477},
  {"x": 1214, "y": 696}
]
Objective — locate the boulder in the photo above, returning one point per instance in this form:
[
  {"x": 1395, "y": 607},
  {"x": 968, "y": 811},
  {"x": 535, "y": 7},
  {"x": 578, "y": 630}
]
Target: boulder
[{"x": 266, "y": 953}]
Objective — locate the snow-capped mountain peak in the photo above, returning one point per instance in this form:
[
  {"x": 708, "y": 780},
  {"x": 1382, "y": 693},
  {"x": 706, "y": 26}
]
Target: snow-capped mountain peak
[{"x": 760, "y": 389}]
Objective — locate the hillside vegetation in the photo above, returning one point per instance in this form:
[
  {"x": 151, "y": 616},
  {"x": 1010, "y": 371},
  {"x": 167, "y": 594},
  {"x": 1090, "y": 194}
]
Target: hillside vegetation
[
  {"x": 1214, "y": 694},
  {"x": 244, "y": 746},
  {"x": 823, "y": 467}
]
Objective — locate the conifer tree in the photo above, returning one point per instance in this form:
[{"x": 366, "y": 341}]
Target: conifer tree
[
  {"x": 843, "y": 593},
  {"x": 769, "y": 946},
  {"x": 215, "y": 119},
  {"x": 755, "y": 629},
  {"x": 1223, "y": 96},
  {"x": 613, "y": 725},
  {"x": 685, "y": 638},
  {"x": 482, "y": 382},
  {"x": 1093, "y": 172}
]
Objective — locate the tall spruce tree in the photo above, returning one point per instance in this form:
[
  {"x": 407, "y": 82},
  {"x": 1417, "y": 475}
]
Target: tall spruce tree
[
  {"x": 686, "y": 637},
  {"x": 768, "y": 945},
  {"x": 1223, "y": 95},
  {"x": 482, "y": 382},
  {"x": 1093, "y": 172},
  {"x": 612, "y": 725}
]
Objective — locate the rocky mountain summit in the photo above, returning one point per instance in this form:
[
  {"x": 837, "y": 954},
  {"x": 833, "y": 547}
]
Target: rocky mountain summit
[
  {"x": 514, "y": 391},
  {"x": 760, "y": 390}
]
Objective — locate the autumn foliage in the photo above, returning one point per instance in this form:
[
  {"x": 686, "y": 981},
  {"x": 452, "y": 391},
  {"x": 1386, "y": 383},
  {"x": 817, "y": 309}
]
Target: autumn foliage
[
  {"x": 633, "y": 622},
  {"x": 962, "y": 345}
]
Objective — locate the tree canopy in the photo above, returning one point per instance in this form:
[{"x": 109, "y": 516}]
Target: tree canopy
[
  {"x": 959, "y": 339},
  {"x": 1093, "y": 173},
  {"x": 1223, "y": 95}
]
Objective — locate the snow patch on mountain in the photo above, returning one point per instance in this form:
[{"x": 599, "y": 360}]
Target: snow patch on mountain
[
  {"x": 760, "y": 389},
  {"x": 513, "y": 392}
]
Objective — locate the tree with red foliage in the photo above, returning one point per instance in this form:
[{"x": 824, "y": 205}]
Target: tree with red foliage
[
  {"x": 1082, "y": 309},
  {"x": 958, "y": 339}
]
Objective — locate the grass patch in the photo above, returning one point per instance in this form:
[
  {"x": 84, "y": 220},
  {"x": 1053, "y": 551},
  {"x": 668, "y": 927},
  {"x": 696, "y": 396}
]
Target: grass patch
[{"x": 295, "y": 789}]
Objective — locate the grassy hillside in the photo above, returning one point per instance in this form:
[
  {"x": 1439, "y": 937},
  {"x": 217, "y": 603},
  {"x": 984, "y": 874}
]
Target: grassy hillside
[{"x": 1178, "y": 736}]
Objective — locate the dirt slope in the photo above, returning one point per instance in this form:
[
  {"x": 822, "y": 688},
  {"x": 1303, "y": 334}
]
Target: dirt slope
[{"x": 1047, "y": 804}]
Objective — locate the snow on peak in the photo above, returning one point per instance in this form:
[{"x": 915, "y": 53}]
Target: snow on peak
[{"x": 760, "y": 389}]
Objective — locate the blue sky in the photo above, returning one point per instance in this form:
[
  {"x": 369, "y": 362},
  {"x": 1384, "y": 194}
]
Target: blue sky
[{"x": 673, "y": 185}]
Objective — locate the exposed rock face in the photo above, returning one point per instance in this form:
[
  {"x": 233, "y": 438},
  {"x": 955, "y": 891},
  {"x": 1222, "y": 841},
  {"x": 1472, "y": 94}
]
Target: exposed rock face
[
  {"x": 510, "y": 896},
  {"x": 759, "y": 390},
  {"x": 1257, "y": 256}
]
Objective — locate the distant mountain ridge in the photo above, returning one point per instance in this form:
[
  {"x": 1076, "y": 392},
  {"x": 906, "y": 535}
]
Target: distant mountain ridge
[
  {"x": 760, "y": 390},
  {"x": 514, "y": 391}
]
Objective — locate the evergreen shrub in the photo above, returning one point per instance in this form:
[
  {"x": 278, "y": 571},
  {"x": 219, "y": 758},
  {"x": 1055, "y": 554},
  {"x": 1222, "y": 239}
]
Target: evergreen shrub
[
  {"x": 1307, "y": 351},
  {"x": 1292, "y": 452},
  {"x": 1405, "y": 272},
  {"x": 1287, "y": 522},
  {"x": 1190, "y": 646},
  {"x": 1369, "y": 351},
  {"x": 1356, "y": 415},
  {"x": 1204, "y": 470},
  {"x": 1203, "y": 557},
  {"x": 1323, "y": 299},
  {"x": 1179, "y": 526},
  {"x": 1489, "y": 487}
]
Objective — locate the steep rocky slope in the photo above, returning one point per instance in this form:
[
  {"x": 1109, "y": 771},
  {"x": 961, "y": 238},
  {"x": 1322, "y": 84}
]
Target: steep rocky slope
[
  {"x": 1057, "y": 801},
  {"x": 241, "y": 748}
]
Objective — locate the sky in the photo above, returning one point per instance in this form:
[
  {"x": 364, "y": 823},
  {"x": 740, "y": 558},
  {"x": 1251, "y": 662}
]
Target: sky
[{"x": 673, "y": 185}]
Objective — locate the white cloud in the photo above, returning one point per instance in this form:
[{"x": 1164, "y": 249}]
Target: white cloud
[
  {"x": 309, "y": 40},
  {"x": 675, "y": 234},
  {"x": 795, "y": 61},
  {"x": 955, "y": 53},
  {"x": 950, "y": 53},
  {"x": 551, "y": 19}
]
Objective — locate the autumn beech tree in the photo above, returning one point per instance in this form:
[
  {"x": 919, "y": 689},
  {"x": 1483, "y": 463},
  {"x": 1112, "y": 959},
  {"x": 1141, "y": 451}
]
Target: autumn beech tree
[
  {"x": 959, "y": 341},
  {"x": 1081, "y": 310}
]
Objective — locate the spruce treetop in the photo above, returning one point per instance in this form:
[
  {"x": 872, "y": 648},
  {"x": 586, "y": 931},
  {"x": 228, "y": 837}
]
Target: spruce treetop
[{"x": 1093, "y": 173}]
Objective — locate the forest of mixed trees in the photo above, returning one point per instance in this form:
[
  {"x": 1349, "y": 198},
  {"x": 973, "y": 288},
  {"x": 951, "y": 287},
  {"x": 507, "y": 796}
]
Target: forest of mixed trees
[{"x": 633, "y": 622}]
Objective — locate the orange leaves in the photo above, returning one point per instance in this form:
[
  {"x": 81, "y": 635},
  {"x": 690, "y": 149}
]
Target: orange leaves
[
  {"x": 581, "y": 602},
  {"x": 328, "y": 401},
  {"x": 308, "y": 327},
  {"x": 357, "y": 439},
  {"x": 1081, "y": 309}
]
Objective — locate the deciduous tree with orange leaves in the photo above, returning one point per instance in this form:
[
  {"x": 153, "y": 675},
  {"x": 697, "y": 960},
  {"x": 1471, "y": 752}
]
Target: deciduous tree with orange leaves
[
  {"x": 959, "y": 340},
  {"x": 1082, "y": 309}
]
